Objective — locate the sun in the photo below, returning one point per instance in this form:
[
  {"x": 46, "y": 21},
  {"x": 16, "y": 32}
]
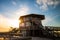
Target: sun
[{"x": 14, "y": 23}]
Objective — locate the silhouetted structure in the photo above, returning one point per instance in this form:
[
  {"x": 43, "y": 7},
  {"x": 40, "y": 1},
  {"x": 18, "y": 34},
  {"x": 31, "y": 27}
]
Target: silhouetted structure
[{"x": 31, "y": 25}]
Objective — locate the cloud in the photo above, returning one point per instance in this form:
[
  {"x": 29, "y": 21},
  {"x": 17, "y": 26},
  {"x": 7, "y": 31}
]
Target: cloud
[
  {"x": 51, "y": 20},
  {"x": 8, "y": 22},
  {"x": 4, "y": 21},
  {"x": 14, "y": 3},
  {"x": 45, "y": 4},
  {"x": 47, "y": 20},
  {"x": 23, "y": 10}
]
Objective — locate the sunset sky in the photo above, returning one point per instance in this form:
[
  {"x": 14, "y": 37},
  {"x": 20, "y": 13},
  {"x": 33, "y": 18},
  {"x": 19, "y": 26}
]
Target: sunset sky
[{"x": 11, "y": 10}]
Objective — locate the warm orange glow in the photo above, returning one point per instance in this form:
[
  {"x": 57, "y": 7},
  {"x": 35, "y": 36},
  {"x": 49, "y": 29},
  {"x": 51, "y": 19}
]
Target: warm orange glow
[
  {"x": 19, "y": 21},
  {"x": 3, "y": 29},
  {"x": 57, "y": 31},
  {"x": 7, "y": 22}
]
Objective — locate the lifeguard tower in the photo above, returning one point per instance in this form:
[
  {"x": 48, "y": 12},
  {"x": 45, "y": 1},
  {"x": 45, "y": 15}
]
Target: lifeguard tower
[{"x": 31, "y": 25}]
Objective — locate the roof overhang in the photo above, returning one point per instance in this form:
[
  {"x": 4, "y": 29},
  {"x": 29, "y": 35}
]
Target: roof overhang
[{"x": 42, "y": 17}]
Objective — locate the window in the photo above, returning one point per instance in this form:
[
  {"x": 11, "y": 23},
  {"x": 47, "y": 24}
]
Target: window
[
  {"x": 22, "y": 24},
  {"x": 28, "y": 24}
]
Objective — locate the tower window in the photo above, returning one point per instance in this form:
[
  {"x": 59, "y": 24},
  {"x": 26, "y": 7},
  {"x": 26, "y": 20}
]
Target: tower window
[
  {"x": 28, "y": 24},
  {"x": 22, "y": 24}
]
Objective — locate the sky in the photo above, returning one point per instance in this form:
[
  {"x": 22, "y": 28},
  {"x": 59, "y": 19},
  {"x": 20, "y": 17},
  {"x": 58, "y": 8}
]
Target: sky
[{"x": 11, "y": 10}]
